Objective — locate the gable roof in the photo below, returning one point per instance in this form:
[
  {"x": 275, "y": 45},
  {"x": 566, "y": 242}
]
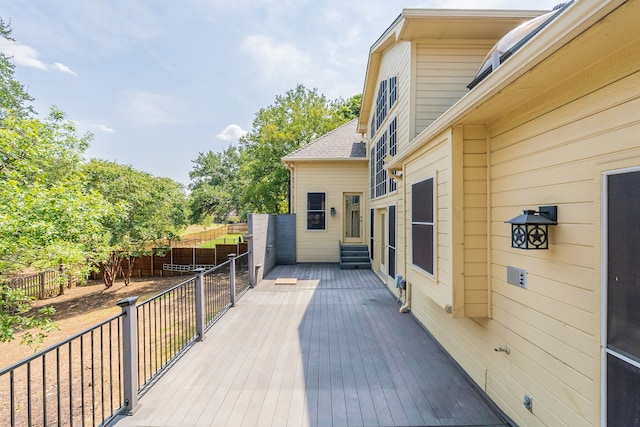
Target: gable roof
[
  {"x": 342, "y": 143},
  {"x": 436, "y": 24}
]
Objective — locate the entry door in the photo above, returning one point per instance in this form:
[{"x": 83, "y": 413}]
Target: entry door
[
  {"x": 621, "y": 343},
  {"x": 352, "y": 218}
]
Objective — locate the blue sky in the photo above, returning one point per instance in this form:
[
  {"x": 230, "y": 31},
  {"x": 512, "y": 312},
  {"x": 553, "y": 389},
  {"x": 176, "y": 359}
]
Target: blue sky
[{"x": 159, "y": 81}]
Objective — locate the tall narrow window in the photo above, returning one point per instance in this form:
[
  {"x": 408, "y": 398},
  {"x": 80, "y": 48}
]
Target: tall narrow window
[
  {"x": 422, "y": 225},
  {"x": 373, "y": 125},
  {"x": 393, "y": 149},
  {"x": 316, "y": 211},
  {"x": 371, "y": 232},
  {"x": 381, "y": 103},
  {"x": 393, "y": 91},
  {"x": 392, "y": 241},
  {"x": 381, "y": 174},
  {"x": 372, "y": 171}
]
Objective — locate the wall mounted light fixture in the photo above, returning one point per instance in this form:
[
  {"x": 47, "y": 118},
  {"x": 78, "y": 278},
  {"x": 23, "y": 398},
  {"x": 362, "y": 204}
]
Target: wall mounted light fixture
[
  {"x": 531, "y": 229},
  {"x": 333, "y": 211}
]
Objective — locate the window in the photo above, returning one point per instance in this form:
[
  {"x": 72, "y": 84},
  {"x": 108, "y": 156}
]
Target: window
[
  {"x": 373, "y": 125},
  {"x": 392, "y": 241},
  {"x": 381, "y": 103},
  {"x": 393, "y": 91},
  {"x": 393, "y": 149},
  {"x": 372, "y": 171},
  {"x": 372, "y": 215},
  {"x": 422, "y": 224},
  {"x": 316, "y": 211},
  {"x": 381, "y": 174},
  {"x": 387, "y": 96}
]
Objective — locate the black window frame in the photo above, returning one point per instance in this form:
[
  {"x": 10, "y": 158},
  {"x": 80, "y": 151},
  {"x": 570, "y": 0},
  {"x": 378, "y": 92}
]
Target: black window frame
[
  {"x": 320, "y": 211},
  {"x": 393, "y": 91},
  {"x": 381, "y": 173},
  {"x": 393, "y": 150},
  {"x": 423, "y": 208}
]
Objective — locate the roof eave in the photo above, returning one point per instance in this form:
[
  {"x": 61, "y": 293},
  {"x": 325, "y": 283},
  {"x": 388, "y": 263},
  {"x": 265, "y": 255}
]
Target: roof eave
[{"x": 577, "y": 19}]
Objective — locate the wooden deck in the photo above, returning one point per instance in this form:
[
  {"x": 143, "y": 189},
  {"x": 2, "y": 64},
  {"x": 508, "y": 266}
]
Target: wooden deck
[{"x": 331, "y": 350}]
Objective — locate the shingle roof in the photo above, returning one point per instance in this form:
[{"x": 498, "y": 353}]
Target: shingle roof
[{"x": 341, "y": 143}]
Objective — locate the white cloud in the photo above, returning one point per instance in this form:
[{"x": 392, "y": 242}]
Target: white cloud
[
  {"x": 151, "y": 108},
  {"x": 27, "y": 56},
  {"x": 232, "y": 132},
  {"x": 63, "y": 68},
  {"x": 104, "y": 128},
  {"x": 277, "y": 60},
  {"x": 21, "y": 54}
]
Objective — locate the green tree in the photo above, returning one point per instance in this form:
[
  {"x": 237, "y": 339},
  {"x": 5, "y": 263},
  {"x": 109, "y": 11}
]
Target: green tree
[
  {"x": 47, "y": 215},
  {"x": 152, "y": 211},
  {"x": 216, "y": 185},
  {"x": 295, "y": 118}
]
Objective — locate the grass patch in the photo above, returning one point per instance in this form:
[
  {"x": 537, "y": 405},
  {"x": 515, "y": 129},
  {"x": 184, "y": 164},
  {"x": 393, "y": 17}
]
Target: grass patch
[{"x": 226, "y": 239}]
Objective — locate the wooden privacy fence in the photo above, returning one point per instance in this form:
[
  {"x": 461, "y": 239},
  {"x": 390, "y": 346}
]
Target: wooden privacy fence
[
  {"x": 152, "y": 265},
  {"x": 197, "y": 239},
  {"x": 46, "y": 284}
]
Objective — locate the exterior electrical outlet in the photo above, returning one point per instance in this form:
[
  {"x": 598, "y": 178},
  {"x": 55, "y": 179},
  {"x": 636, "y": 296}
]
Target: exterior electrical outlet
[{"x": 517, "y": 276}]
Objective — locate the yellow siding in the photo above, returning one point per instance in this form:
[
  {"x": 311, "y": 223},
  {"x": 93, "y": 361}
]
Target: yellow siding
[
  {"x": 432, "y": 161},
  {"x": 443, "y": 71},
  {"x": 334, "y": 179},
  {"x": 474, "y": 182},
  {"x": 396, "y": 61},
  {"x": 551, "y": 151}
]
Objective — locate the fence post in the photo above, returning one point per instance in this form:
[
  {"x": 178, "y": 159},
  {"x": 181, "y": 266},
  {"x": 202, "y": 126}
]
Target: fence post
[
  {"x": 130, "y": 354},
  {"x": 43, "y": 284},
  {"x": 232, "y": 278},
  {"x": 199, "y": 272},
  {"x": 61, "y": 277}
]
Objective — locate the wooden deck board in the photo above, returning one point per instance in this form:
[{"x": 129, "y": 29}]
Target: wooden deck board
[{"x": 331, "y": 351}]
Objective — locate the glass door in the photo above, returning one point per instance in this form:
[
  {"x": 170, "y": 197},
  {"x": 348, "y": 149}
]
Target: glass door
[{"x": 352, "y": 218}]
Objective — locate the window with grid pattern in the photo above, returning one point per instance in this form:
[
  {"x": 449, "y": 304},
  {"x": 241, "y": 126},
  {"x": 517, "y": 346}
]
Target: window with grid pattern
[
  {"x": 316, "y": 211},
  {"x": 393, "y": 149},
  {"x": 393, "y": 91},
  {"x": 381, "y": 174}
]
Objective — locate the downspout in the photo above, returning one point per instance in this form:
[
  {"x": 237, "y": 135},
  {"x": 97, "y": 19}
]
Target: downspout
[
  {"x": 406, "y": 307},
  {"x": 289, "y": 166}
]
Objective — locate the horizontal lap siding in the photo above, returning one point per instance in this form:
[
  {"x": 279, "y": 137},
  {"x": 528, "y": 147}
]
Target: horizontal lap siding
[
  {"x": 433, "y": 161},
  {"x": 557, "y": 158},
  {"x": 334, "y": 179},
  {"x": 443, "y": 72},
  {"x": 475, "y": 221},
  {"x": 552, "y": 151},
  {"x": 396, "y": 62}
]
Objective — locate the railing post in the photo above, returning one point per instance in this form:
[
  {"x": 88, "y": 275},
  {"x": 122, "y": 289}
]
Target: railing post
[
  {"x": 199, "y": 272},
  {"x": 232, "y": 278},
  {"x": 130, "y": 354}
]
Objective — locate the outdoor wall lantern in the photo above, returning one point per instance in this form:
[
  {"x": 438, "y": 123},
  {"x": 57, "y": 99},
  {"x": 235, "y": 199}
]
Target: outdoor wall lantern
[
  {"x": 531, "y": 229},
  {"x": 333, "y": 211}
]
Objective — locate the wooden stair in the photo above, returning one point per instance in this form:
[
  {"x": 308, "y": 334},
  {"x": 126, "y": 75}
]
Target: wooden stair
[{"x": 354, "y": 256}]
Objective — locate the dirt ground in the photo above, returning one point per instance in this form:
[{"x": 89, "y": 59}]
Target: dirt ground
[{"x": 84, "y": 306}]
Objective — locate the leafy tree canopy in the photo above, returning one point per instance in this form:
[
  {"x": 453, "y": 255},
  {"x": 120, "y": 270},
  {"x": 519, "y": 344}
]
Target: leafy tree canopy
[
  {"x": 47, "y": 215},
  {"x": 152, "y": 210},
  {"x": 251, "y": 177}
]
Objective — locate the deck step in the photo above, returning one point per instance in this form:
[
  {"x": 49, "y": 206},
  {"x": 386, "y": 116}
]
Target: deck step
[{"x": 354, "y": 257}]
